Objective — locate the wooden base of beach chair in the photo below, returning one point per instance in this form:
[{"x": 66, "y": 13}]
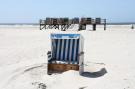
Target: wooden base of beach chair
[{"x": 59, "y": 68}]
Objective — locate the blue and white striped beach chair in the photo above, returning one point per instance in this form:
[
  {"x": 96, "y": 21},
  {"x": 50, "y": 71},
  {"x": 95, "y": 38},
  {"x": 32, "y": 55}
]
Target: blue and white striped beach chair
[{"x": 66, "y": 53}]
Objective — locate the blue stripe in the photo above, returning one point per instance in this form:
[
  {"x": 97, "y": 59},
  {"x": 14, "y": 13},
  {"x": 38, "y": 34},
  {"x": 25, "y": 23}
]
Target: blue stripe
[
  {"x": 72, "y": 56},
  {"x": 64, "y": 53},
  {"x": 68, "y": 51},
  {"x": 55, "y": 50},
  {"x": 52, "y": 48},
  {"x": 61, "y": 36},
  {"x": 60, "y": 49}
]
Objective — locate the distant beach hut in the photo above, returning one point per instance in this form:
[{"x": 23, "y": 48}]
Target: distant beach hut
[
  {"x": 55, "y": 23},
  {"x": 48, "y": 23},
  {"x": 98, "y": 20},
  {"x": 88, "y": 20},
  {"x": 75, "y": 20},
  {"x": 82, "y": 24},
  {"x": 64, "y": 23},
  {"x": 83, "y": 21},
  {"x": 132, "y": 27},
  {"x": 66, "y": 53}
]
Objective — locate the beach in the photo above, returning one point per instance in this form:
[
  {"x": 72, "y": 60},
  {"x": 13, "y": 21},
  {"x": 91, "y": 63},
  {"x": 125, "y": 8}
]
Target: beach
[{"x": 23, "y": 58}]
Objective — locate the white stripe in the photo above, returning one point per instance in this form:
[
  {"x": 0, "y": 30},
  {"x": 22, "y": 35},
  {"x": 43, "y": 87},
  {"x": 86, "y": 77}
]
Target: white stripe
[
  {"x": 58, "y": 48},
  {"x": 66, "y": 50},
  {"x": 75, "y": 47},
  {"x": 62, "y": 49},
  {"x": 70, "y": 51}
]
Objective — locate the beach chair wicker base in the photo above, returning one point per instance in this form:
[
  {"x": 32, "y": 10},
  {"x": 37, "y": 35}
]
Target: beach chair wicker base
[{"x": 59, "y": 68}]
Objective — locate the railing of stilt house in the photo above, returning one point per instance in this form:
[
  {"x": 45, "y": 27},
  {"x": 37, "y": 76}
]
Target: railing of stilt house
[{"x": 65, "y": 23}]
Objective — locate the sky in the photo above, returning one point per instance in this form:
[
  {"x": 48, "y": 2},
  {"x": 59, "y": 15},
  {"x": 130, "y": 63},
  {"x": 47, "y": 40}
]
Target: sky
[{"x": 30, "y": 11}]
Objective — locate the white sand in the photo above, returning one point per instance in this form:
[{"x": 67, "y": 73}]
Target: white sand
[{"x": 23, "y": 59}]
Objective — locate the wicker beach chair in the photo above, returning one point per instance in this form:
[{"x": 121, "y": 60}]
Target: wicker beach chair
[{"x": 66, "y": 53}]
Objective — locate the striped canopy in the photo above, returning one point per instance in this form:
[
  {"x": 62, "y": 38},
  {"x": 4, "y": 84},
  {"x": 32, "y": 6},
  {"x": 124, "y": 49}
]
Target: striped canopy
[{"x": 65, "y": 47}]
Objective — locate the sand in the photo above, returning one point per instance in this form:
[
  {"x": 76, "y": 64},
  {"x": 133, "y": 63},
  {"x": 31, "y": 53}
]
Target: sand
[{"x": 109, "y": 59}]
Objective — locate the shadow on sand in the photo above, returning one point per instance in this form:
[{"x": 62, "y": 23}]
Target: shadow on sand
[{"x": 96, "y": 74}]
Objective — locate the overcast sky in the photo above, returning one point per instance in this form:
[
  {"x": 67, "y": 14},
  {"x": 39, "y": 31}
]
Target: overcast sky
[{"x": 30, "y": 11}]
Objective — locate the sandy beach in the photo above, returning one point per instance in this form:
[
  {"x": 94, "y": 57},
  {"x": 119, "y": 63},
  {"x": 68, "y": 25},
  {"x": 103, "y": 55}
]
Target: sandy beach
[{"x": 23, "y": 59}]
